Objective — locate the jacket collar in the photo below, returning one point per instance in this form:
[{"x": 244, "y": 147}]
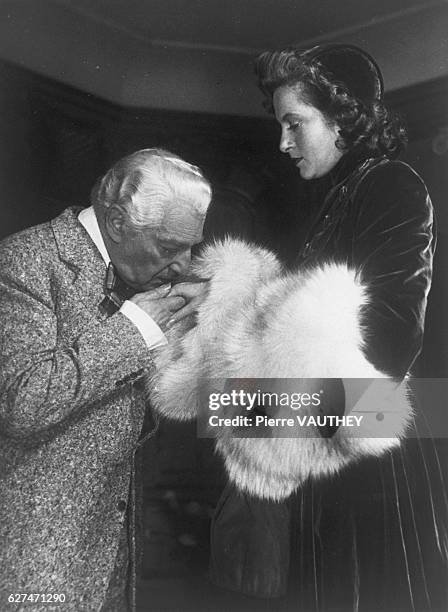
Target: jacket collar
[
  {"x": 345, "y": 166},
  {"x": 317, "y": 190},
  {"x": 77, "y": 250},
  {"x": 88, "y": 220}
]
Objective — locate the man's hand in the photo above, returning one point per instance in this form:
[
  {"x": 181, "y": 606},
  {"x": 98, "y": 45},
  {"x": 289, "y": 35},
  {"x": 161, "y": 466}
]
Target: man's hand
[
  {"x": 193, "y": 294},
  {"x": 158, "y": 304}
]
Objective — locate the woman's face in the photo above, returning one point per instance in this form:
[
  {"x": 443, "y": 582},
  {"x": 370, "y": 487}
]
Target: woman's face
[{"x": 307, "y": 136}]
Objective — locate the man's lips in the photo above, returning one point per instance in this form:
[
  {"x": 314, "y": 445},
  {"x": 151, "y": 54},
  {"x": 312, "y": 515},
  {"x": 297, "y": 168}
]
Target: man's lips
[
  {"x": 158, "y": 282},
  {"x": 161, "y": 280},
  {"x": 297, "y": 160},
  {"x": 154, "y": 283}
]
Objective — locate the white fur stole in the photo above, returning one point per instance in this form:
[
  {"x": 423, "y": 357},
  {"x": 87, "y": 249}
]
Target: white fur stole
[{"x": 258, "y": 322}]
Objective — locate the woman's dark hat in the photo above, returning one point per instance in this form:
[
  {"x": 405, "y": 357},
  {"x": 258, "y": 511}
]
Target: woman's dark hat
[{"x": 352, "y": 66}]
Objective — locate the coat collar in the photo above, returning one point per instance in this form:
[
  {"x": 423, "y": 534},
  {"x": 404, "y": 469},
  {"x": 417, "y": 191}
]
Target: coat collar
[
  {"x": 77, "y": 250},
  {"x": 348, "y": 163}
]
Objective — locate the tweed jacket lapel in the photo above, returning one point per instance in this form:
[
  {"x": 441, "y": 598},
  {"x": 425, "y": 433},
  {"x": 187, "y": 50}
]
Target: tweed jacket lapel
[{"x": 77, "y": 250}]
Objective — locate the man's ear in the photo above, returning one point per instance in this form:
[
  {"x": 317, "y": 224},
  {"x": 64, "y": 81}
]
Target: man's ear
[{"x": 114, "y": 219}]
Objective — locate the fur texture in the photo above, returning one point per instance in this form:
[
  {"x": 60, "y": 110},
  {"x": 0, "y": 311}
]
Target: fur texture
[{"x": 258, "y": 322}]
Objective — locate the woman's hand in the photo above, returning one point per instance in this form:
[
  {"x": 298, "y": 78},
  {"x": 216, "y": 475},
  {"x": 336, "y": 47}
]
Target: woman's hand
[
  {"x": 193, "y": 294},
  {"x": 159, "y": 304}
]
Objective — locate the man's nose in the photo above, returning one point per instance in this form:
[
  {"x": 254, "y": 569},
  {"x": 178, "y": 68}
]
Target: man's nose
[
  {"x": 285, "y": 141},
  {"x": 181, "y": 262}
]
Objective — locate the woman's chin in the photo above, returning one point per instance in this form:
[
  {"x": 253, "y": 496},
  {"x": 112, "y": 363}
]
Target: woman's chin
[
  {"x": 306, "y": 173},
  {"x": 309, "y": 174}
]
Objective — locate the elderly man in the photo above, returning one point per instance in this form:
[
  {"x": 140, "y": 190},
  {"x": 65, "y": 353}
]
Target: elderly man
[{"x": 73, "y": 351}]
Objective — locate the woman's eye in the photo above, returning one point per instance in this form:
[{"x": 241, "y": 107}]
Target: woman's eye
[{"x": 294, "y": 126}]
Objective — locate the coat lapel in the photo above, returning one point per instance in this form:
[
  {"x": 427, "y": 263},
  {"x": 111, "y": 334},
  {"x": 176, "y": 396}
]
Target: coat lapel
[{"x": 77, "y": 250}]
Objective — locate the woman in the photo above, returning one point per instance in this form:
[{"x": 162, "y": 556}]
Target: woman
[
  {"x": 369, "y": 538},
  {"x": 362, "y": 541}
]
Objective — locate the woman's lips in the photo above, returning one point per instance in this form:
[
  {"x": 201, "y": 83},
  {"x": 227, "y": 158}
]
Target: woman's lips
[{"x": 297, "y": 160}]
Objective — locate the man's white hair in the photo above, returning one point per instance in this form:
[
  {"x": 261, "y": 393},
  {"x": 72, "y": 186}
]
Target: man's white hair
[{"x": 149, "y": 183}]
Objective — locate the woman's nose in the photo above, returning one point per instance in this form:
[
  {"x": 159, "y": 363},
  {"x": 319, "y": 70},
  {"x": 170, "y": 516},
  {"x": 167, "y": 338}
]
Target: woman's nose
[{"x": 285, "y": 142}]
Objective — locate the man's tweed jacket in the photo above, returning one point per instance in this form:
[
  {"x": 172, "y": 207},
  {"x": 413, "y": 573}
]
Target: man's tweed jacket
[{"x": 71, "y": 413}]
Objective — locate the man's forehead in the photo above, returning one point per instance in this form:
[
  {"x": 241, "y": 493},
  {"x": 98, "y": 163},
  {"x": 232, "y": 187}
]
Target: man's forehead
[{"x": 181, "y": 225}]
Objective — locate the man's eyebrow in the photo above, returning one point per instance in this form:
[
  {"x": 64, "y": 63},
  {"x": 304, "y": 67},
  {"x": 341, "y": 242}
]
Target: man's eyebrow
[{"x": 177, "y": 243}]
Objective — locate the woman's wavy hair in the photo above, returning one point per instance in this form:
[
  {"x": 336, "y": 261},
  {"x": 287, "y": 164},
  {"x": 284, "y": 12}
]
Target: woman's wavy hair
[{"x": 365, "y": 124}]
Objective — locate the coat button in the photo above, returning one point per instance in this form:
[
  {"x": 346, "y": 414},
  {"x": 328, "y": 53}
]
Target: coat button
[{"x": 121, "y": 505}]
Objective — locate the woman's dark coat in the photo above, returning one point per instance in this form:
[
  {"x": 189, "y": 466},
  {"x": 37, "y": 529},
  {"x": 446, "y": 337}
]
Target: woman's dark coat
[{"x": 372, "y": 537}]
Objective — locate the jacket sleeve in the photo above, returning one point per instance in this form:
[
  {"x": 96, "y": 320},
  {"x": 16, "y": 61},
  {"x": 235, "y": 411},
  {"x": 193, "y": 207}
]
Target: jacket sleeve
[
  {"x": 45, "y": 380},
  {"x": 392, "y": 249}
]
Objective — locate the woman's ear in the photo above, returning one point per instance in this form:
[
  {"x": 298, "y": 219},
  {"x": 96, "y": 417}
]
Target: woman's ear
[
  {"x": 338, "y": 140},
  {"x": 115, "y": 223}
]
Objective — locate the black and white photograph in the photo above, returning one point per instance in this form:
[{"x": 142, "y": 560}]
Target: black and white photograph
[{"x": 223, "y": 305}]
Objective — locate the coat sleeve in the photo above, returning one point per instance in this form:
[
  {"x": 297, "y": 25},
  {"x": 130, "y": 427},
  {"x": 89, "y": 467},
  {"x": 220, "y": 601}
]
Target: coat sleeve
[
  {"x": 43, "y": 380},
  {"x": 392, "y": 248}
]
